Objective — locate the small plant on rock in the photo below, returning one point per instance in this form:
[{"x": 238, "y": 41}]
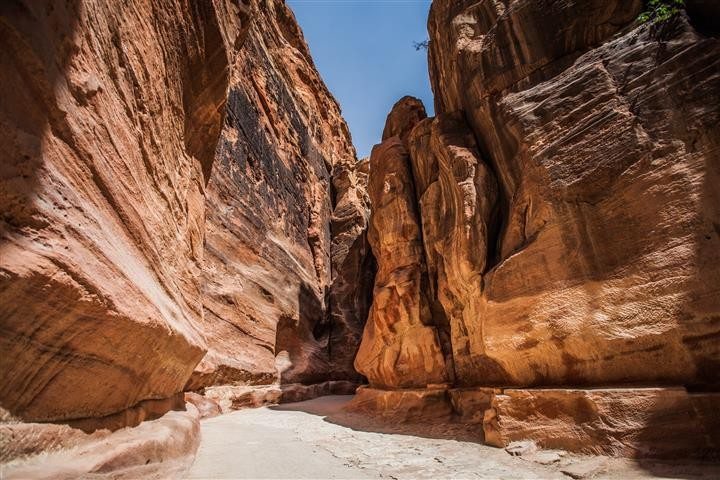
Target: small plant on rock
[{"x": 661, "y": 11}]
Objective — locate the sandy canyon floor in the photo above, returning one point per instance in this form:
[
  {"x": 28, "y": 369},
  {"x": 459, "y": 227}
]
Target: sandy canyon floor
[{"x": 316, "y": 439}]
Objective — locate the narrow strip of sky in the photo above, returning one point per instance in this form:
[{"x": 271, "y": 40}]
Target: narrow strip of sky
[{"x": 365, "y": 54}]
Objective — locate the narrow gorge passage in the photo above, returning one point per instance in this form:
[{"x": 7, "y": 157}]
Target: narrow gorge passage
[{"x": 359, "y": 239}]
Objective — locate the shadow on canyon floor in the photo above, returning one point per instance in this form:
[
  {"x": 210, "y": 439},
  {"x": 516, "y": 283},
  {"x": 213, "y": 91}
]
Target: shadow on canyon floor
[{"x": 332, "y": 409}]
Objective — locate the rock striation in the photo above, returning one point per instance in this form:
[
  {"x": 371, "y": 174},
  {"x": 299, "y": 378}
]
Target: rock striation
[
  {"x": 560, "y": 213},
  {"x": 601, "y": 136},
  {"x": 109, "y": 137},
  {"x": 182, "y": 209},
  {"x": 286, "y": 258}
]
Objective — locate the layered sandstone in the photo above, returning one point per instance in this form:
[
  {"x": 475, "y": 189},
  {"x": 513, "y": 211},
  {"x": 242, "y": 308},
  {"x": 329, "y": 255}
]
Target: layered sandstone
[
  {"x": 563, "y": 216},
  {"x": 285, "y": 248},
  {"x": 161, "y": 448},
  {"x": 602, "y": 136},
  {"x": 112, "y": 283},
  {"x": 110, "y": 117},
  {"x": 632, "y": 422}
]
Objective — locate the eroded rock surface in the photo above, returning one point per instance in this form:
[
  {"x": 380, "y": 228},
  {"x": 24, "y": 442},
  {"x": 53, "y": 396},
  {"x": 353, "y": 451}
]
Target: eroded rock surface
[
  {"x": 606, "y": 267},
  {"x": 161, "y": 448},
  {"x": 112, "y": 283},
  {"x": 634, "y": 422},
  {"x": 271, "y": 270},
  {"x": 109, "y": 125},
  {"x": 567, "y": 217},
  {"x": 400, "y": 346},
  {"x": 457, "y": 197},
  {"x": 353, "y": 267}
]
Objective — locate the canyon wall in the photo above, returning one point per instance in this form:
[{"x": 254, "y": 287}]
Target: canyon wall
[
  {"x": 110, "y": 116},
  {"x": 284, "y": 178},
  {"x": 182, "y": 208},
  {"x": 561, "y": 210}
]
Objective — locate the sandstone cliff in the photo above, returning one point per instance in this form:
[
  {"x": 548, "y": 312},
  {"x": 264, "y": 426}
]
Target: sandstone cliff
[
  {"x": 603, "y": 142},
  {"x": 566, "y": 221},
  {"x": 275, "y": 311},
  {"x": 105, "y": 182},
  {"x": 176, "y": 180},
  {"x": 110, "y": 116}
]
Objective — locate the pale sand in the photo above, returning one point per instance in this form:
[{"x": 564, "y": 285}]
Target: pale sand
[{"x": 301, "y": 441}]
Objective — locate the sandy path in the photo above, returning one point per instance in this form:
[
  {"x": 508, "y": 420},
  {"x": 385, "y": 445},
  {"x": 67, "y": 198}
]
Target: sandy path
[{"x": 295, "y": 441}]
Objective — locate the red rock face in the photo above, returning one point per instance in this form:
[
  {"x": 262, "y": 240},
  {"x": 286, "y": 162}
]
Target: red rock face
[
  {"x": 568, "y": 220},
  {"x": 109, "y": 124},
  {"x": 282, "y": 301},
  {"x": 606, "y": 262},
  {"x": 130, "y": 245},
  {"x": 400, "y": 346}
]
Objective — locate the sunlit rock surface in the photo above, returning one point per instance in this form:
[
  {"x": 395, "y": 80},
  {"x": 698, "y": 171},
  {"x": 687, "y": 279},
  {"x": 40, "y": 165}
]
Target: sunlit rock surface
[
  {"x": 110, "y": 117},
  {"x": 568, "y": 219},
  {"x": 606, "y": 266},
  {"x": 400, "y": 346}
]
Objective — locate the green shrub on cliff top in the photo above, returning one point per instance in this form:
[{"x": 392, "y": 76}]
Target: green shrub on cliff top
[{"x": 660, "y": 11}]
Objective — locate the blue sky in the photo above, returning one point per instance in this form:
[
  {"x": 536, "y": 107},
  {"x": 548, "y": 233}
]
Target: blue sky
[{"x": 364, "y": 52}]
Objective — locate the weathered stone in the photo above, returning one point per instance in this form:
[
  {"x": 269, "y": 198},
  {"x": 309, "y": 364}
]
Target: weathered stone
[
  {"x": 607, "y": 262},
  {"x": 207, "y": 407},
  {"x": 108, "y": 124},
  {"x": 403, "y": 405},
  {"x": 403, "y": 117},
  {"x": 470, "y": 404},
  {"x": 237, "y": 397},
  {"x": 297, "y": 392},
  {"x": 400, "y": 347},
  {"x": 353, "y": 268},
  {"x": 568, "y": 223},
  {"x": 457, "y": 195},
  {"x": 161, "y": 448},
  {"x": 521, "y": 448},
  {"x": 268, "y": 278},
  {"x": 634, "y": 422}
]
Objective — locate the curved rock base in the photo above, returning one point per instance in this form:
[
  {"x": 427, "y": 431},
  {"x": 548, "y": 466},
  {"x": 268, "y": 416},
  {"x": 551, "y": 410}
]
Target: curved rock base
[
  {"x": 622, "y": 422},
  {"x": 159, "y": 448}
]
